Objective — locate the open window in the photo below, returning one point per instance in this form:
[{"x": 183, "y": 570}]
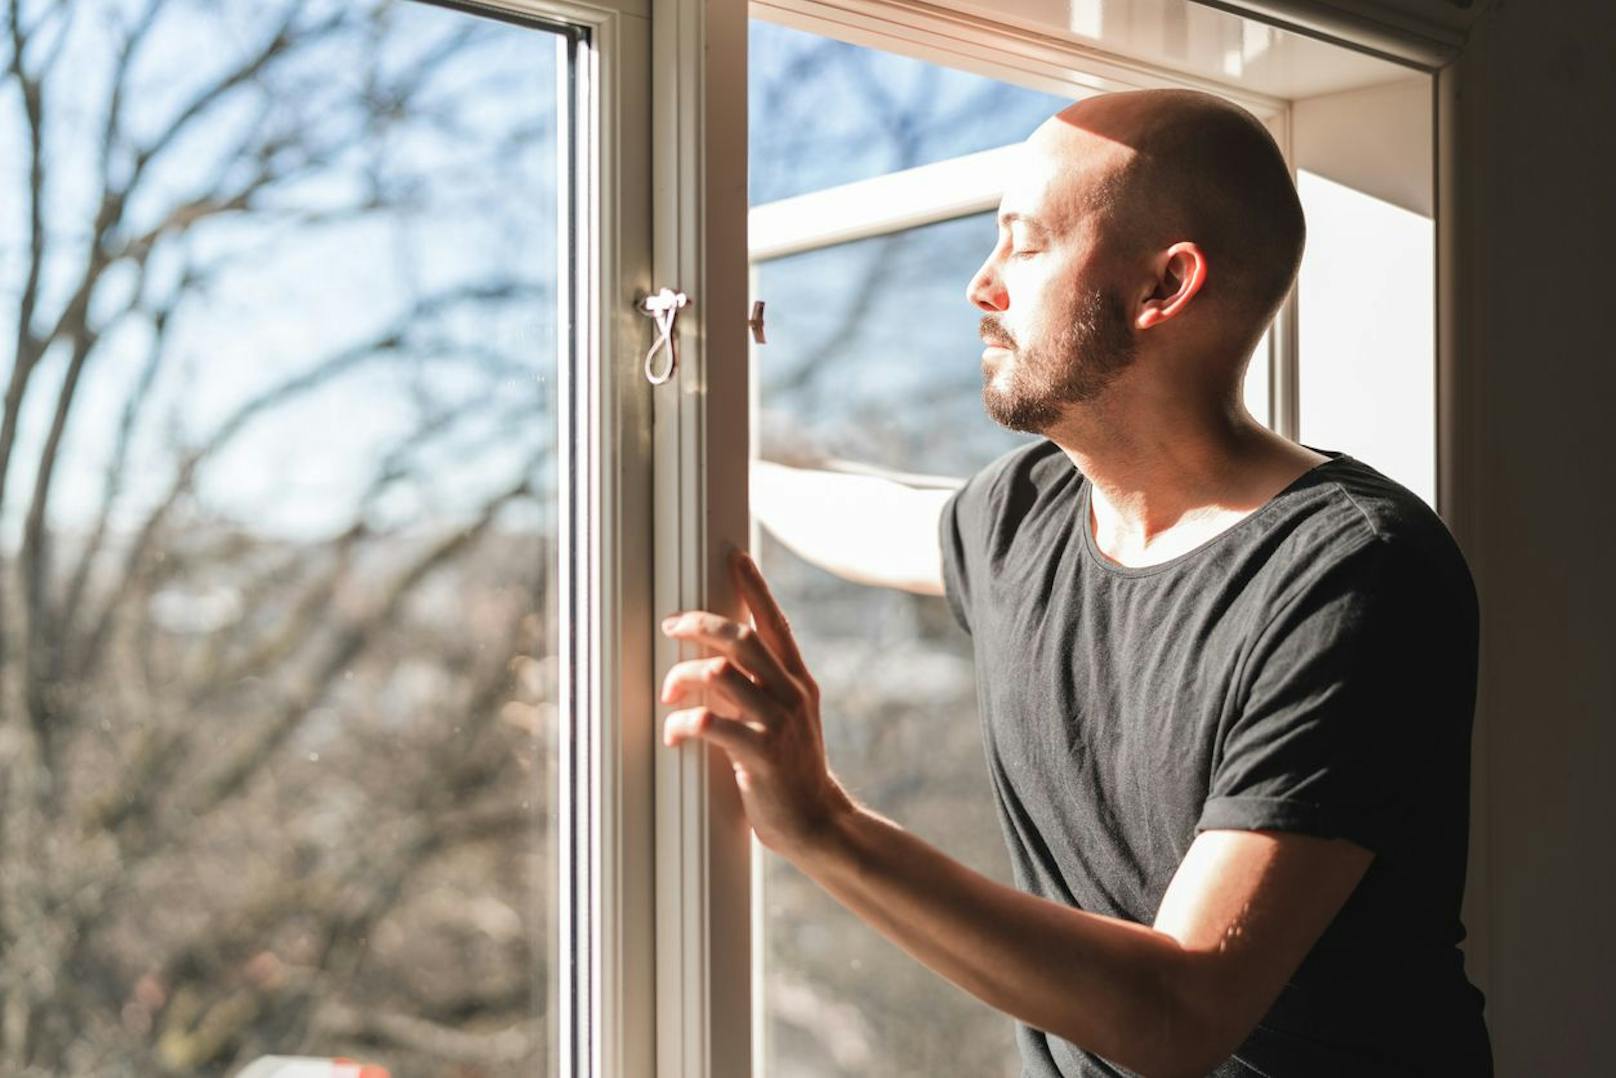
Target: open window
[{"x": 336, "y": 510}]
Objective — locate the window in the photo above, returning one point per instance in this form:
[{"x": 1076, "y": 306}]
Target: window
[
  {"x": 282, "y": 534},
  {"x": 1366, "y": 335},
  {"x": 336, "y": 514}
]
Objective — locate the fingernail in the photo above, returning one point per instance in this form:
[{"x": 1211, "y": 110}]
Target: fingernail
[{"x": 669, "y": 621}]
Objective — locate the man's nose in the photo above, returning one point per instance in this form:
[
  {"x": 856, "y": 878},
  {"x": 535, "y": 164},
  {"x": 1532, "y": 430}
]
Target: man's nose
[{"x": 986, "y": 290}]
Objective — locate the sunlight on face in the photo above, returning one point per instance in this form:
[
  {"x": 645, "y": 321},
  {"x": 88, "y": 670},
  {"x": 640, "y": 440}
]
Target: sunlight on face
[{"x": 1061, "y": 330}]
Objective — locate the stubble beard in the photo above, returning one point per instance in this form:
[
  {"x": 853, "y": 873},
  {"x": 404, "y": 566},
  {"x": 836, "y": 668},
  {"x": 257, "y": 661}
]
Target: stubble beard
[{"x": 1093, "y": 346}]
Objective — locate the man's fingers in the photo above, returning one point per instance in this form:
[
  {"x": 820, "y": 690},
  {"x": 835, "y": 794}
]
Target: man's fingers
[
  {"x": 766, "y": 613},
  {"x": 723, "y": 677},
  {"x": 733, "y": 736},
  {"x": 741, "y": 643}
]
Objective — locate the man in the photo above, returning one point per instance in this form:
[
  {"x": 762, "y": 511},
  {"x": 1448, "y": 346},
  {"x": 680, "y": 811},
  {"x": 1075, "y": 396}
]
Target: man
[{"x": 1226, "y": 680}]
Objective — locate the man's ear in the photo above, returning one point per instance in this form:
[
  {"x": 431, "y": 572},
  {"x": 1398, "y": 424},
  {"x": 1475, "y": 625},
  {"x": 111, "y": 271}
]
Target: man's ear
[{"x": 1180, "y": 273}]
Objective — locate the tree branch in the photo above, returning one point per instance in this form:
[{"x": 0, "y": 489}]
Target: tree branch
[{"x": 391, "y": 339}]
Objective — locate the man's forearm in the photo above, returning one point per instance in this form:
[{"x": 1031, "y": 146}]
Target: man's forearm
[{"x": 1104, "y": 984}]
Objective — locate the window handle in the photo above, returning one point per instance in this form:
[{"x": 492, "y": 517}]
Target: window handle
[
  {"x": 664, "y": 306},
  {"x": 756, "y": 321}
]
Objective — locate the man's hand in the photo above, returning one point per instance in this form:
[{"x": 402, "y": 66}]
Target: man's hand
[{"x": 762, "y": 709}]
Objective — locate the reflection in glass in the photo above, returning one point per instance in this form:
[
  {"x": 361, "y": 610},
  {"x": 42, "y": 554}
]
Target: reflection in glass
[
  {"x": 873, "y": 351},
  {"x": 823, "y": 112},
  {"x": 875, "y": 358},
  {"x": 277, "y": 541}
]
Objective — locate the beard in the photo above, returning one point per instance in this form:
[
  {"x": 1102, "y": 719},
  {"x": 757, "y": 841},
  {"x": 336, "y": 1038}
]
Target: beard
[{"x": 1094, "y": 344}]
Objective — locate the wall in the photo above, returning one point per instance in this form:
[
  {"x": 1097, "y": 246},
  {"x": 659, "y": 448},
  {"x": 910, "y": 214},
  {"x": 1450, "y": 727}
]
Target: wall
[
  {"x": 1366, "y": 294},
  {"x": 1376, "y": 140},
  {"x": 1533, "y": 371}
]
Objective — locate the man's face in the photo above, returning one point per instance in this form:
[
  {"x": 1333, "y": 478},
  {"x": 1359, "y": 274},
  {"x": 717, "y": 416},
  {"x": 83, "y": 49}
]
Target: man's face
[{"x": 1058, "y": 330}]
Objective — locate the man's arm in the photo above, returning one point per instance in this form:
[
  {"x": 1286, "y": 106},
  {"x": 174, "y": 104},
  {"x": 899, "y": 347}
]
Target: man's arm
[
  {"x": 1240, "y": 914},
  {"x": 863, "y": 528},
  {"x": 1176, "y": 998}
]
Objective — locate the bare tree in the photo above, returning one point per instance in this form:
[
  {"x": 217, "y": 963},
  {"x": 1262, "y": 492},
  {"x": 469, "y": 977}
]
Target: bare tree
[{"x": 184, "y": 882}]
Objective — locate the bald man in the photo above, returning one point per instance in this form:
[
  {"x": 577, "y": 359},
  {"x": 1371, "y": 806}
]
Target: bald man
[{"x": 1226, "y": 680}]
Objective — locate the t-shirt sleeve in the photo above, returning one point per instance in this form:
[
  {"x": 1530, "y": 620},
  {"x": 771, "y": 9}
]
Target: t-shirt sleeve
[
  {"x": 979, "y": 518},
  {"x": 1331, "y": 718},
  {"x": 957, "y": 522},
  {"x": 964, "y": 527}
]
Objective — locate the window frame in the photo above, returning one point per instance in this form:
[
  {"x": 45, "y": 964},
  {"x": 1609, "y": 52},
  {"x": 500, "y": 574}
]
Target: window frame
[
  {"x": 599, "y": 982},
  {"x": 699, "y": 446}
]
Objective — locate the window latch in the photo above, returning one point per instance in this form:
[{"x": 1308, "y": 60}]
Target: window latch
[
  {"x": 664, "y": 307},
  {"x": 756, "y": 322}
]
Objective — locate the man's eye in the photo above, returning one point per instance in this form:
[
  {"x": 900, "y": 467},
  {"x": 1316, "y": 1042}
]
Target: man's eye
[{"x": 1024, "y": 253}]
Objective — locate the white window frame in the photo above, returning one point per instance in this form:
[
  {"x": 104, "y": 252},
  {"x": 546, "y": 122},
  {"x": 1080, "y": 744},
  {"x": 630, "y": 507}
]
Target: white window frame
[
  {"x": 600, "y": 985},
  {"x": 699, "y": 442}
]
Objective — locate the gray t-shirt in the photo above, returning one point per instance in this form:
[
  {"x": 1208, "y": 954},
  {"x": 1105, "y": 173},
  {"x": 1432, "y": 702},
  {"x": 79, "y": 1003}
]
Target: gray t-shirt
[{"x": 1310, "y": 669}]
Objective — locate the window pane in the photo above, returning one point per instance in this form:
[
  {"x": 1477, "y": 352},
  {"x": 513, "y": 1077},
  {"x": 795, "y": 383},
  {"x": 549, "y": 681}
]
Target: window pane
[
  {"x": 853, "y": 368},
  {"x": 279, "y": 534},
  {"x": 873, "y": 356},
  {"x": 851, "y": 372},
  {"x": 824, "y": 112}
]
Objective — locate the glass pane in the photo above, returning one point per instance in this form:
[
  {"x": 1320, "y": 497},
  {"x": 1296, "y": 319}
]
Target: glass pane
[
  {"x": 849, "y": 372},
  {"x": 873, "y": 356},
  {"x": 278, "y": 527},
  {"x": 824, "y": 112}
]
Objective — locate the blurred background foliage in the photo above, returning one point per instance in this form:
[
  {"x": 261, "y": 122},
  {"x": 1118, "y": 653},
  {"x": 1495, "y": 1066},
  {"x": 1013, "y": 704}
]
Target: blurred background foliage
[{"x": 277, "y": 517}]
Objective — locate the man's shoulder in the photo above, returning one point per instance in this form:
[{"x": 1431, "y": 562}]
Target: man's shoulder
[
  {"x": 1386, "y": 507},
  {"x": 1358, "y": 514}
]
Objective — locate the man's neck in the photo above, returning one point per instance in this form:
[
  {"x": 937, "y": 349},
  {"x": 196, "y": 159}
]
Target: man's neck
[{"x": 1161, "y": 489}]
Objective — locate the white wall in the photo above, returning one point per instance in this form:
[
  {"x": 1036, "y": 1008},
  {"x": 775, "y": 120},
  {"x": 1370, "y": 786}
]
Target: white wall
[
  {"x": 1366, "y": 293},
  {"x": 1377, "y": 140}
]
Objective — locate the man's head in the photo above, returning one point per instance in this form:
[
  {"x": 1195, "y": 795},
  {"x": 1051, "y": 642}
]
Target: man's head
[{"x": 1156, "y": 225}]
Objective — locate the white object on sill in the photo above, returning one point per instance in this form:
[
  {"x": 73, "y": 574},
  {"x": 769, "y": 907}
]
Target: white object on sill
[{"x": 310, "y": 1067}]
